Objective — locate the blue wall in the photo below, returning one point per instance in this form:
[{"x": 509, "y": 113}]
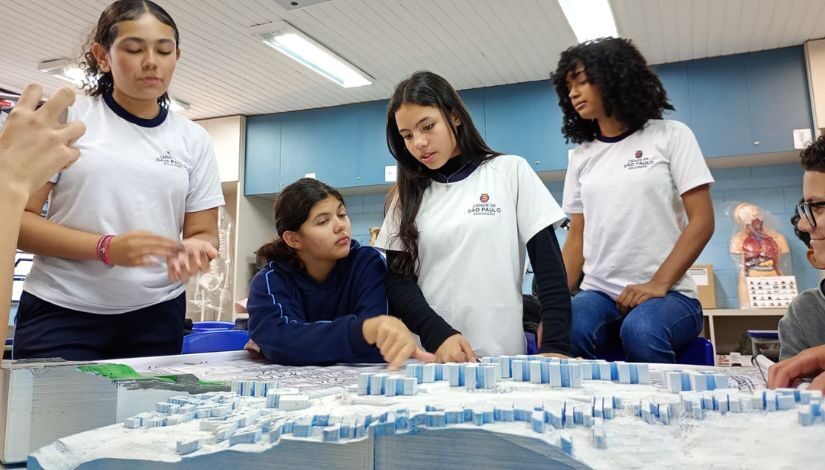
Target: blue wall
[
  {"x": 737, "y": 105},
  {"x": 775, "y": 188}
]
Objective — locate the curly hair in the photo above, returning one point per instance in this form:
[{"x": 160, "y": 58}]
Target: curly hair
[
  {"x": 630, "y": 90},
  {"x": 98, "y": 82},
  {"x": 813, "y": 157}
]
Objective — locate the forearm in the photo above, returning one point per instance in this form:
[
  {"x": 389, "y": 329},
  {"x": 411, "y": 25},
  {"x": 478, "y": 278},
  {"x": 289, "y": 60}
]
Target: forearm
[
  {"x": 407, "y": 302},
  {"x": 46, "y": 238},
  {"x": 12, "y": 204},
  {"x": 573, "y": 254},
  {"x": 688, "y": 247},
  {"x": 554, "y": 298},
  {"x": 208, "y": 236}
]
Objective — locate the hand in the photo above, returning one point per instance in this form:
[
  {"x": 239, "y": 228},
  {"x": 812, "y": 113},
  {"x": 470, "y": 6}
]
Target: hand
[
  {"x": 556, "y": 355},
  {"x": 33, "y": 144},
  {"x": 252, "y": 347},
  {"x": 140, "y": 248},
  {"x": 635, "y": 294},
  {"x": 455, "y": 349},
  {"x": 193, "y": 258},
  {"x": 808, "y": 363},
  {"x": 394, "y": 340}
]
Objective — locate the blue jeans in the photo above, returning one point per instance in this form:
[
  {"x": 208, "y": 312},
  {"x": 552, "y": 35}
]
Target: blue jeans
[{"x": 654, "y": 331}]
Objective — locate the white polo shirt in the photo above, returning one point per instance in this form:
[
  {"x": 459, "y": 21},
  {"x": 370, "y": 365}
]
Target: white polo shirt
[
  {"x": 472, "y": 245},
  {"x": 132, "y": 174},
  {"x": 629, "y": 192}
]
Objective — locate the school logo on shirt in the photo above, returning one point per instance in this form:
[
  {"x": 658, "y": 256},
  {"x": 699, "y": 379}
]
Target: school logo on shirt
[
  {"x": 639, "y": 161},
  {"x": 168, "y": 160},
  {"x": 485, "y": 207}
]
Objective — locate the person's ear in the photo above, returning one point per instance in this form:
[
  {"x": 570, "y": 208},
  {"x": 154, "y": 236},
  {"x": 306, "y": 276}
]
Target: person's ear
[
  {"x": 102, "y": 57},
  {"x": 292, "y": 239},
  {"x": 812, "y": 259}
]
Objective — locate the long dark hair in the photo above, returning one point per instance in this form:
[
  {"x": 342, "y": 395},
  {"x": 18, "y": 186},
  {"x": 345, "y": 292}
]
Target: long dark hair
[
  {"x": 291, "y": 210},
  {"x": 98, "y": 82},
  {"x": 630, "y": 90},
  {"x": 425, "y": 89}
]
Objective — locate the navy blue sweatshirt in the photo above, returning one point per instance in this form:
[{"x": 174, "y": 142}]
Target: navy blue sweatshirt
[{"x": 298, "y": 321}]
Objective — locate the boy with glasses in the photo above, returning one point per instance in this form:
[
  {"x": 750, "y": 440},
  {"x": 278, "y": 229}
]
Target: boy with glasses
[{"x": 802, "y": 329}]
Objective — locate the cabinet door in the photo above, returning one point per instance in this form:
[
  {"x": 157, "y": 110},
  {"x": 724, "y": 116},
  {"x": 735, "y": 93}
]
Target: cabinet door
[
  {"x": 337, "y": 146},
  {"x": 262, "y": 162},
  {"x": 474, "y": 99},
  {"x": 719, "y": 105},
  {"x": 778, "y": 97},
  {"x": 299, "y": 146},
  {"x": 525, "y": 119},
  {"x": 371, "y": 143},
  {"x": 674, "y": 77}
]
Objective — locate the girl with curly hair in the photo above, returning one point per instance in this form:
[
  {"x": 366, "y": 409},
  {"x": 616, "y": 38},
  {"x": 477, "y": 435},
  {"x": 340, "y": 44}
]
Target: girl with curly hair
[
  {"x": 458, "y": 227},
  {"x": 638, "y": 192},
  {"x": 133, "y": 218}
]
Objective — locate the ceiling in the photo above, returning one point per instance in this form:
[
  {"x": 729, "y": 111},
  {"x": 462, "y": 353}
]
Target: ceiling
[{"x": 225, "y": 70}]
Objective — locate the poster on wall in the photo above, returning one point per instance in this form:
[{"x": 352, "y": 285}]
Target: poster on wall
[{"x": 771, "y": 291}]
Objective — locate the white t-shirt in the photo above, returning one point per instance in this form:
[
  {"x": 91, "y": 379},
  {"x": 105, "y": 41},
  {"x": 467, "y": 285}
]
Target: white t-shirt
[
  {"x": 472, "y": 246},
  {"x": 128, "y": 177},
  {"x": 629, "y": 192}
]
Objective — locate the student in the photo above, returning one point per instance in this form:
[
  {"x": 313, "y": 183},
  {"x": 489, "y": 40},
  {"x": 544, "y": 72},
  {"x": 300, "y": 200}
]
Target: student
[
  {"x": 638, "y": 193},
  {"x": 33, "y": 146},
  {"x": 457, "y": 228},
  {"x": 133, "y": 219},
  {"x": 803, "y": 326},
  {"x": 320, "y": 297}
]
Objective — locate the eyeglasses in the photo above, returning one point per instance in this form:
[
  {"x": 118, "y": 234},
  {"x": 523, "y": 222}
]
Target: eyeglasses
[{"x": 805, "y": 209}]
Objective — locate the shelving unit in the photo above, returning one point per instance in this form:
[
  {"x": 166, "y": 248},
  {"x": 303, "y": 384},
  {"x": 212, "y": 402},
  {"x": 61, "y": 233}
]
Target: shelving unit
[{"x": 725, "y": 327}]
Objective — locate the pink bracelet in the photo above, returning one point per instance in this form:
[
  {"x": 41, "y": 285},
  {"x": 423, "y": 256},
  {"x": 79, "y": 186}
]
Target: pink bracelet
[{"x": 103, "y": 249}]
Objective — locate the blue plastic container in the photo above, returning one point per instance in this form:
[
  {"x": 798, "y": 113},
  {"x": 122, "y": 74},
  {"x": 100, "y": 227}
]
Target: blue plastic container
[{"x": 212, "y": 326}]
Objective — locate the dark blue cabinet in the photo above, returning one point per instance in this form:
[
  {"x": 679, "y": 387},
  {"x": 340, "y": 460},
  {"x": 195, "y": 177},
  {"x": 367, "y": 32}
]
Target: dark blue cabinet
[
  {"x": 262, "y": 165},
  {"x": 675, "y": 80},
  {"x": 299, "y": 145},
  {"x": 336, "y": 136},
  {"x": 749, "y": 103},
  {"x": 525, "y": 119},
  {"x": 719, "y": 105},
  {"x": 778, "y": 98},
  {"x": 475, "y": 101},
  {"x": 372, "y": 153}
]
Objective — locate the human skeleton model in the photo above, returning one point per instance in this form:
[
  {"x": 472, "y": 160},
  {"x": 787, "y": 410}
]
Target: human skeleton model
[
  {"x": 212, "y": 290},
  {"x": 757, "y": 248},
  {"x": 374, "y": 235}
]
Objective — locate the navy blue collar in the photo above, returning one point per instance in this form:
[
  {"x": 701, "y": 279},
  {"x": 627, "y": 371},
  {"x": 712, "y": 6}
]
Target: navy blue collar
[
  {"x": 456, "y": 169},
  {"x": 618, "y": 138},
  {"x": 120, "y": 111}
]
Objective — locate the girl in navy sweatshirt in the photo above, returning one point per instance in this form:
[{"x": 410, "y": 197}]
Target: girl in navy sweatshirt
[{"x": 320, "y": 297}]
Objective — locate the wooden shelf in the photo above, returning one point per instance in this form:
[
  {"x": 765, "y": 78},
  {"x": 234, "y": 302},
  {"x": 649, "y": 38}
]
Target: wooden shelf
[
  {"x": 745, "y": 312},
  {"x": 724, "y": 327}
]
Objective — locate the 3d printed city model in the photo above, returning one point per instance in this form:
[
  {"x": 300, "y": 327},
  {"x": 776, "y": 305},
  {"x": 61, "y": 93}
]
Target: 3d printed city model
[{"x": 590, "y": 414}]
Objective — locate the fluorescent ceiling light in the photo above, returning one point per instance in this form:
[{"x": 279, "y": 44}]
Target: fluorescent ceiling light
[
  {"x": 64, "y": 69},
  {"x": 178, "y": 105},
  {"x": 590, "y": 19},
  {"x": 309, "y": 53}
]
